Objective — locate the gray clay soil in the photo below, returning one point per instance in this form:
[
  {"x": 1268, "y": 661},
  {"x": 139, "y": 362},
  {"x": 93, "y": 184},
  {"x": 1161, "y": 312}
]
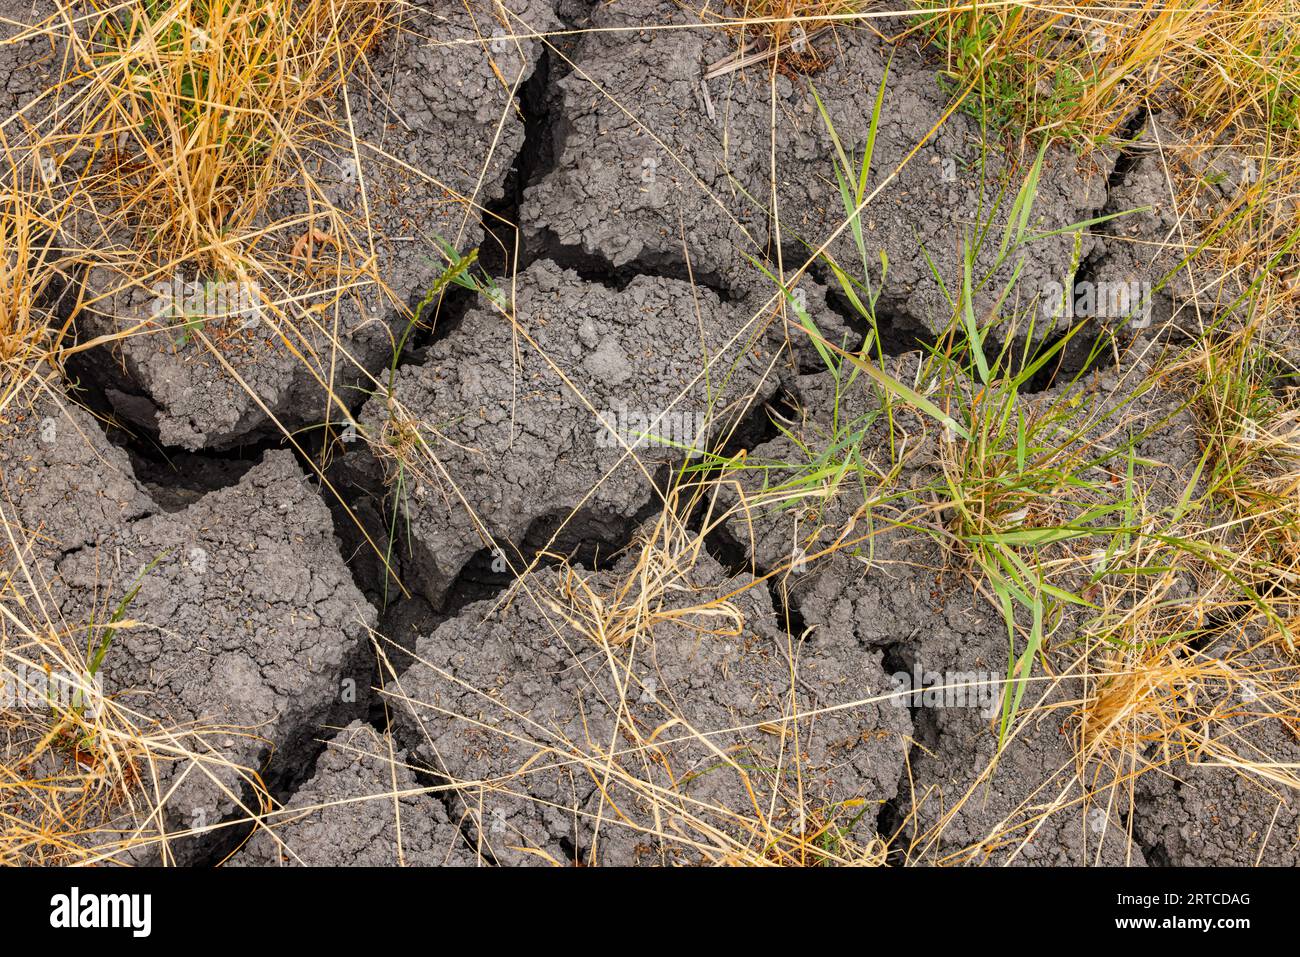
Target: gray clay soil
[{"x": 361, "y": 698}]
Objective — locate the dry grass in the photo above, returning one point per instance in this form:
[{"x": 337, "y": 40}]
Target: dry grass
[
  {"x": 780, "y": 32},
  {"x": 201, "y": 112}
]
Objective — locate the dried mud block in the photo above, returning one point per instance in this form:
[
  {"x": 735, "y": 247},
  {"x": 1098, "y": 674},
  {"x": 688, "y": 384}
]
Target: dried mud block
[
  {"x": 1172, "y": 185},
  {"x": 65, "y": 486},
  {"x": 781, "y": 530},
  {"x": 971, "y": 802},
  {"x": 642, "y": 177},
  {"x": 1226, "y": 797},
  {"x": 965, "y": 800},
  {"x": 936, "y": 199},
  {"x": 527, "y": 424},
  {"x": 1148, "y": 236},
  {"x": 854, "y": 576},
  {"x": 437, "y": 128},
  {"x": 1141, "y": 242},
  {"x": 362, "y": 808},
  {"x": 246, "y": 632},
  {"x": 656, "y": 165},
  {"x": 670, "y": 745}
]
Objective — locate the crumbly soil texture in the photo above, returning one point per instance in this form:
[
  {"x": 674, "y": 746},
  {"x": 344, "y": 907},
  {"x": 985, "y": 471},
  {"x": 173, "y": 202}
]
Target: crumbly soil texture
[{"x": 477, "y": 609}]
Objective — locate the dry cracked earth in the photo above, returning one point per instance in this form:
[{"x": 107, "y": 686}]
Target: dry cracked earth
[{"x": 523, "y": 643}]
